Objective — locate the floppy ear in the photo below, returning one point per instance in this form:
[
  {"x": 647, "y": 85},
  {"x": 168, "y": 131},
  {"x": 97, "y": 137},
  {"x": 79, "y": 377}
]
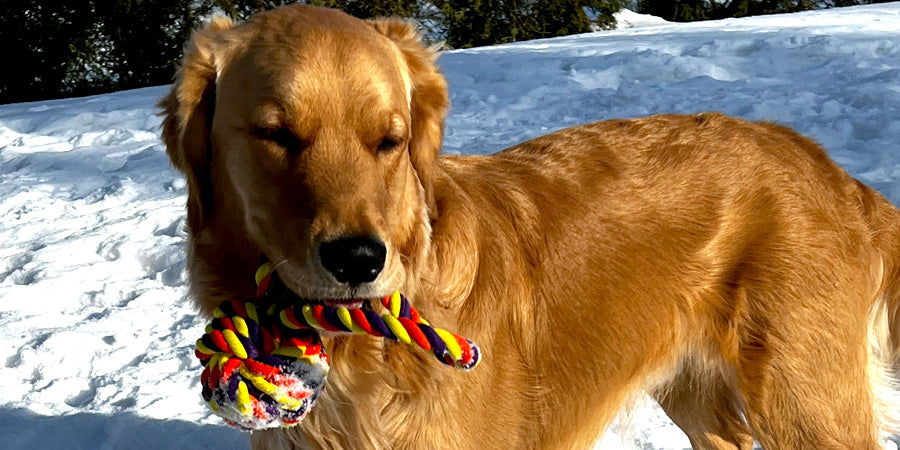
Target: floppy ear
[
  {"x": 187, "y": 117},
  {"x": 429, "y": 100}
]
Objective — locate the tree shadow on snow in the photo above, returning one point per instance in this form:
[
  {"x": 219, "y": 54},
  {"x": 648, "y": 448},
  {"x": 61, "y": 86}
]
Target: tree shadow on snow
[{"x": 23, "y": 429}]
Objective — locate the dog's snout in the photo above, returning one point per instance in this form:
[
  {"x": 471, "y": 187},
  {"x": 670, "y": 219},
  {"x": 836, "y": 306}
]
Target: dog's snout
[{"x": 353, "y": 260}]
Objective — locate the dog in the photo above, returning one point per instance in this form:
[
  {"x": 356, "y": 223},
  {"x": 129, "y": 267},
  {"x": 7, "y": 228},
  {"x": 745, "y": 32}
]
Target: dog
[{"x": 729, "y": 268}]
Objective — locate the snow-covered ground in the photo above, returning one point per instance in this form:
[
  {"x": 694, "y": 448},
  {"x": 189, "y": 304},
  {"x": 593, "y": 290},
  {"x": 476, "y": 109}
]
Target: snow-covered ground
[{"x": 96, "y": 334}]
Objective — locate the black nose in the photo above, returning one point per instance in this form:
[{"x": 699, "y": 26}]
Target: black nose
[{"x": 353, "y": 260}]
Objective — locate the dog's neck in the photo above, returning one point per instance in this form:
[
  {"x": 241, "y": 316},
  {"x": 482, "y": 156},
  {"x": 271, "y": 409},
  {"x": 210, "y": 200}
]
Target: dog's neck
[{"x": 450, "y": 265}]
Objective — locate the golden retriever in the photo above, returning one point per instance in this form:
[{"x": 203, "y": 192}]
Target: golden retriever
[{"x": 729, "y": 268}]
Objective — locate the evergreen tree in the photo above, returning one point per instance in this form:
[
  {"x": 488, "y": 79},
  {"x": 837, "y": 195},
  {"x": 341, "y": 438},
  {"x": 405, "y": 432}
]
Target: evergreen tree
[
  {"x": 677, "y": 10},
  {"x": 242, "y": 9},
  {"x": 145, "y": 55},
  {"x": 471, "y": 23},
  {"x": 690, "y": 10},
  {"x": 45, "y": 41},
  {"x": 93, "y": 46},
  {"x": 367, "y": 9}
]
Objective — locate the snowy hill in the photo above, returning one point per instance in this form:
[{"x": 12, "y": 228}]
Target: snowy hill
[{"x": 96, "y": 333}]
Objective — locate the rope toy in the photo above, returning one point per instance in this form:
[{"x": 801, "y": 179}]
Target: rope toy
[{"x": 265, "y": 365}]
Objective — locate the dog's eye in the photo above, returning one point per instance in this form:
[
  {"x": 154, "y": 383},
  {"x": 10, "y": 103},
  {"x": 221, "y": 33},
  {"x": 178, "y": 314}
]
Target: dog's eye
[
  {"x": 281, "y": 137},
  {"x": 387, "y": 144}
]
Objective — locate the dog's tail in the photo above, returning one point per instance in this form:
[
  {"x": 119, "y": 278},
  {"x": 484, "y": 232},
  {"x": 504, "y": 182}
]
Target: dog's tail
[{"x": 884, "y": 316}]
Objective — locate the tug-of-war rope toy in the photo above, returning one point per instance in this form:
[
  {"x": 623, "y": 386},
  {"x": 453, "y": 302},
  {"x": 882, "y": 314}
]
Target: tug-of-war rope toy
[{"x": 264, "y": 364}]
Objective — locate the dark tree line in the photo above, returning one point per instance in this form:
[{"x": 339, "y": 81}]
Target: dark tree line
[
  {"x": 58, "y": 49},
  {"x": 691, "y": 10},
  {"x": 62, "y": 48},
  {"x": 472, "y": 23}
]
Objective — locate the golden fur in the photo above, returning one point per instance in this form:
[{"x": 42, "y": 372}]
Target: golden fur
[{"x": 729, "y": 267}]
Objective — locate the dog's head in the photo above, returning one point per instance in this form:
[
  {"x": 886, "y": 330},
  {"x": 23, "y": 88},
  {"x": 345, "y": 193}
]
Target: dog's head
[{"x": 313, "y": 136}]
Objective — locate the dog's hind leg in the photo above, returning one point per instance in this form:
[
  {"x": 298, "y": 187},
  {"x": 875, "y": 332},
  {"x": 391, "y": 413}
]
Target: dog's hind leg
[
  {"x": 804, "y": 377},
  {"x": 707, "y": 410},
  {"x": 817, "y": 339}
]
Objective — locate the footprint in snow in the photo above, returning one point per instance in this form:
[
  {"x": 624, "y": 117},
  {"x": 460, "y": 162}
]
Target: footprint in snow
[
  {"x": 174, "y": 229},
  {"x": 14, "y": 264},
  {"x": 16, "y": 359},
  {"x": 109, "y": 248}
]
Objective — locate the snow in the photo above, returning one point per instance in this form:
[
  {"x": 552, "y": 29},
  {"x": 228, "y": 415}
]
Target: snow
[
  {"x": 627, "y": 18},
  {"x": 96, "y": 333}
]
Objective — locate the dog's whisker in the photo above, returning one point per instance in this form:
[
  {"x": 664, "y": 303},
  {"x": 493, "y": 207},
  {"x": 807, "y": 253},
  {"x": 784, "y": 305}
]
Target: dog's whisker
[{"x": 279, "y": 264}]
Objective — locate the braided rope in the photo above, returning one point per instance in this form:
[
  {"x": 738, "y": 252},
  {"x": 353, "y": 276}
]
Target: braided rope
[
  {"x": 403, "y": 323},
  {"x": 264, "y": 363}
]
